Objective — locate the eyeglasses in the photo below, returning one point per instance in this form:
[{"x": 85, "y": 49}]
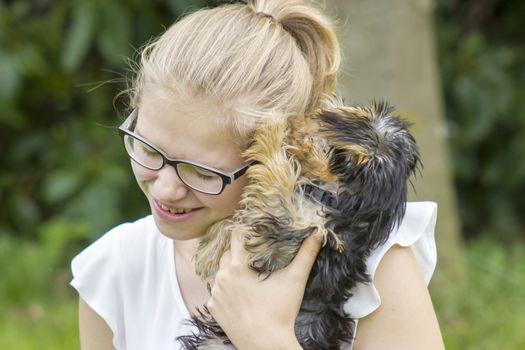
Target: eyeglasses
[{"x": 199, "y": 177}]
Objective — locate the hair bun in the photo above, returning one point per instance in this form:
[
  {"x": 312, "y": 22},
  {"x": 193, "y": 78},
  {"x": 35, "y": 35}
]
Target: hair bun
[{"x": 315, "y": 36}]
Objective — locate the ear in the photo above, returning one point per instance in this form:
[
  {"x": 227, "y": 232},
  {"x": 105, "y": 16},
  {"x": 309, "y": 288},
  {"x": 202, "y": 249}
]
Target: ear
[{"x": 373, "y": 157}]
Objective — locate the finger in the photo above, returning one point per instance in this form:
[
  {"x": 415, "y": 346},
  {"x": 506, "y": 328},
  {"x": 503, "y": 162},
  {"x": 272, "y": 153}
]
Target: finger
[
  {"x": 305, "y": 258},
  {"x": 225, "y": 259},
  {"x": 238, "y": 253}
]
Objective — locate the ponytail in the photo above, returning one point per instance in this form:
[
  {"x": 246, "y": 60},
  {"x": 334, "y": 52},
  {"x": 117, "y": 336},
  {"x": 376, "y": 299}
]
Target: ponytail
[{"x": 313, "y": 32}]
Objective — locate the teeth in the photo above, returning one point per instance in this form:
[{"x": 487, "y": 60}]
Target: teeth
[{"x": 174, "y": 210}]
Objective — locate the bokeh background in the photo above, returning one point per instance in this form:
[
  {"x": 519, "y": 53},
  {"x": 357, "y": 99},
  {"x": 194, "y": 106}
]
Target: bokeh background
[{"x": 65, "y": 179}]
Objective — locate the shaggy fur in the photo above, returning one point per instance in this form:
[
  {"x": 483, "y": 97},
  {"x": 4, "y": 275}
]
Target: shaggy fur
[{"x": 343, "y": 171}]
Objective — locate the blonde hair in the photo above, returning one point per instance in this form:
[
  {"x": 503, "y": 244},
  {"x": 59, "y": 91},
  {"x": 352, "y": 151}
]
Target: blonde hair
[{"x": 266, "y": 58}]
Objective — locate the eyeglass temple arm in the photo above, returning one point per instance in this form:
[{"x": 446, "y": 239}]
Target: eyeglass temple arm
[
  {"x": 242, "y": 171},
  {"x": 130, "y": 120}
]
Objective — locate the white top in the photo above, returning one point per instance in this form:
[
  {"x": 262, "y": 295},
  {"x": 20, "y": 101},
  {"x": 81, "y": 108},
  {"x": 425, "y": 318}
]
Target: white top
[{"x": 128, "y": 277}]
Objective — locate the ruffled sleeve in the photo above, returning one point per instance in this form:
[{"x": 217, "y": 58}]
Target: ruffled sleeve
[
  {"x": 96, "y": 277},
  {"x": 415, "y": 231}
]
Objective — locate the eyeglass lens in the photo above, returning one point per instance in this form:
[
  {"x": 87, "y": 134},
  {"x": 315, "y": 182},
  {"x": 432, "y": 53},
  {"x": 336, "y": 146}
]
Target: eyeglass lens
[{"x": 196, "y": 177}]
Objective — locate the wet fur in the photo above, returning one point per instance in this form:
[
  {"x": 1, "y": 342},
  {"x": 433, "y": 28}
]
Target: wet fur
[{"x": 363, "y": 156}]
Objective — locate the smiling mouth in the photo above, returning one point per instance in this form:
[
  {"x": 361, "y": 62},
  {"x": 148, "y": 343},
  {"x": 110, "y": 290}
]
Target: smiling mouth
[{"x": 173, "y": 210}]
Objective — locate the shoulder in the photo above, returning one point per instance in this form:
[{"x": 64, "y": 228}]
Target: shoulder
[
  {"x": 397, "y": 301},
  {"x": 106, "y": 273},
  {"x": 122, "y": 251},
  {"x": 416, "y": 231},
  {"x": 406, "y": 316},
  {"x": 109, "y": 245}
]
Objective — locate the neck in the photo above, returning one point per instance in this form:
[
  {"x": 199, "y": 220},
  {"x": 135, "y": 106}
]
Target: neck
[
  {"x": 185, "y": 249},
  {"x": 193, "y": 289}
]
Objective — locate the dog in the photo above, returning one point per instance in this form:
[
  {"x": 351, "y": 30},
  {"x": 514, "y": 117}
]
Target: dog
[{"x": 343, "y": 171}]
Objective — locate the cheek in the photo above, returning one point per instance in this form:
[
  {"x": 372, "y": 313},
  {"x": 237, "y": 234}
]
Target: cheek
[
  {"x": 224, "y": 204},
  {"x": 233, "y": 193},
  {"x": 142, "y": 174}
]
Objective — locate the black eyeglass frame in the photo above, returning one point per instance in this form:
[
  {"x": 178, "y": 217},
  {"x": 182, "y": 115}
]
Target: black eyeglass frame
[{"x": 227, "y": 177}]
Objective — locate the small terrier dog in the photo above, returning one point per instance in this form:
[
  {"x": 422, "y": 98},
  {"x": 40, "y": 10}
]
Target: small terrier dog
[{"x": 343, "y": 171}]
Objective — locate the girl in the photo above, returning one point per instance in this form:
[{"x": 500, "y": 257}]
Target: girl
[{"x": 201, "y": 89}]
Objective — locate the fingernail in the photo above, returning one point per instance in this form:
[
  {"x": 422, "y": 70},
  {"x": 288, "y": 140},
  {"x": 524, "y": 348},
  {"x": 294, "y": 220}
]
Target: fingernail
[{"x": 318, "y": 236}]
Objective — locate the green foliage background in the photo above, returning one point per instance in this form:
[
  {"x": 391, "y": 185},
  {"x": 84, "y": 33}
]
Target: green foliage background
[
  {"x": 64, "y": 177},
  {"x": 482, "y": 61}
]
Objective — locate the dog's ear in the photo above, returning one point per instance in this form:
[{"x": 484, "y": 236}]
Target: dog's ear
[{"x": 373, "y": 157}]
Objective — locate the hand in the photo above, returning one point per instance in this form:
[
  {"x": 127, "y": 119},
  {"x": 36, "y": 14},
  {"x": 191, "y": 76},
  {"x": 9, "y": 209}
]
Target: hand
[{"x": 258, "y": 313}]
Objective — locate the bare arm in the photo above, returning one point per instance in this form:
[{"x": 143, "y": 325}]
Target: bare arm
[
  {"x": 95, "y": 334},
  {"x": 406, "y": 319}
]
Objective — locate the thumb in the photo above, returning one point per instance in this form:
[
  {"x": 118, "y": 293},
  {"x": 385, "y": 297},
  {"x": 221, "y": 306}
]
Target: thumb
[{"x": 305, "y": 258}]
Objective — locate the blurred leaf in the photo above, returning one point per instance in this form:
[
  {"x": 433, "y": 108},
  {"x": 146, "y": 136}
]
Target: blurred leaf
[
  {"x": 57, "y": 233},
  {"x": 11, "y": 79},
  {"x": 115, "y": 175},
  {"x": 114, "y": 36},
  {"x": 28, "y": 147},
  {"x": 184, "y": 6},
  {"x": 78, "y": 39},
  {"x": 20, "y": 9},
  {"x": 61, "y": 184},
  {"x": 26, "y": 213},
  {"x": 96, "y": 204},
  {"x": 31, "y": 60}
]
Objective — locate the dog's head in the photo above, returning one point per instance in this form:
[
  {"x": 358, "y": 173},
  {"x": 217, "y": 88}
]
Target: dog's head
[{"x": 373, "y": 155}]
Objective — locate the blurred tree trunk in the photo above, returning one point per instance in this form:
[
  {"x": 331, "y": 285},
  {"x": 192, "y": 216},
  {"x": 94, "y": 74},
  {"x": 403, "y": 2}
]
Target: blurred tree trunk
[{"x": 389, "y": 54}]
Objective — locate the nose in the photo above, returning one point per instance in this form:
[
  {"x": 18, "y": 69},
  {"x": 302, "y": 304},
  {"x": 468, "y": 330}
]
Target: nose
[{"x": 168, "y": 186}]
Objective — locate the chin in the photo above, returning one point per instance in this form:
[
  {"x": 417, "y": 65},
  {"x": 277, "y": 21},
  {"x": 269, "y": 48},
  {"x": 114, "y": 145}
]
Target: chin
[{"x": 177, "y": 233}]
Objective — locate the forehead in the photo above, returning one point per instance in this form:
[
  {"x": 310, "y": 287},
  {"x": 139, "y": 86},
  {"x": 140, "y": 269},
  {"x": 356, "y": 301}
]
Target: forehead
[{"x": 189, "y": 128}]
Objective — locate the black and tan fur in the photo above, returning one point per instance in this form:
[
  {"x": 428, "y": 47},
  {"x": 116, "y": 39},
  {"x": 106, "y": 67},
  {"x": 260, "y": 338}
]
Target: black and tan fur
[{"x": 343, "y": 171}]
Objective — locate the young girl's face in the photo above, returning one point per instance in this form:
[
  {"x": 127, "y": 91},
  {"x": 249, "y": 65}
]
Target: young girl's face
[{"x": 188, "y": 130}]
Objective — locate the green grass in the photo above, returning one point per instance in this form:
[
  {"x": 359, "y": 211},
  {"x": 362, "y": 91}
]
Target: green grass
[
  {"x": 42, "y": 326},
  {"x": 487, "y": 312}
]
